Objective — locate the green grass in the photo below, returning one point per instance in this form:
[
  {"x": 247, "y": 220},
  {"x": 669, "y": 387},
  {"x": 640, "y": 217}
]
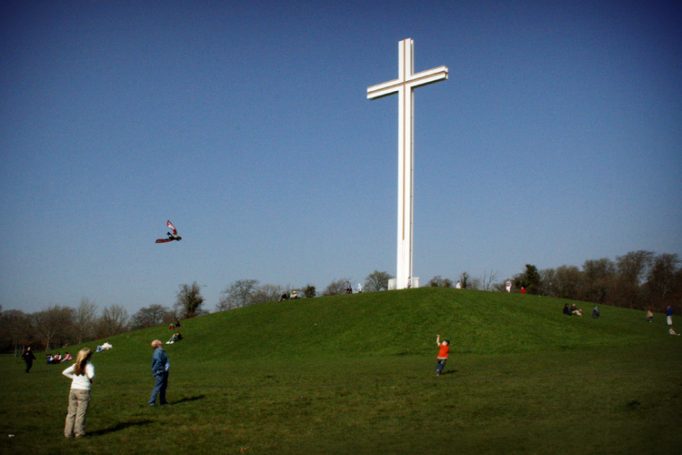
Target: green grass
[{"x": 355, "y": 374}]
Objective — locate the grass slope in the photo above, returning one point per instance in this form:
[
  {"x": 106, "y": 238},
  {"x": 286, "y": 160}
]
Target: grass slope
[{"x": 354, "y": 374}]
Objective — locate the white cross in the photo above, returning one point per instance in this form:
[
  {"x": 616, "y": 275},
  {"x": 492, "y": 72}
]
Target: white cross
[{"x": 404, "y": 85}]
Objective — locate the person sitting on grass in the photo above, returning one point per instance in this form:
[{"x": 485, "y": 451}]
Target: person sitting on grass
[
  {"x": 442, "y": 357},
  {"x": 567, "y": 310},
  {"x": 177, "y": 336},
  {"x": 576, "y": 311}
]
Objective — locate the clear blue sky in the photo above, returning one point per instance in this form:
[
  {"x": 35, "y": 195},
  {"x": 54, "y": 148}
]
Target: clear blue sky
[{"x": 556, "y": 139}]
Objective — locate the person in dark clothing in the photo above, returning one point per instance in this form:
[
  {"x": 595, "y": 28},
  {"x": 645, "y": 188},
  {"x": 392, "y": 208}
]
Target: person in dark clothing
[{"x": 28, "y": 358}]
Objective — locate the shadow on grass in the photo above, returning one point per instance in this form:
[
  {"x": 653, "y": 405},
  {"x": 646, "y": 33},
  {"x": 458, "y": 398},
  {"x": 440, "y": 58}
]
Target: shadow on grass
[
  {"x": 185, "y": 400},
  {"x": 119, "y": 426}
]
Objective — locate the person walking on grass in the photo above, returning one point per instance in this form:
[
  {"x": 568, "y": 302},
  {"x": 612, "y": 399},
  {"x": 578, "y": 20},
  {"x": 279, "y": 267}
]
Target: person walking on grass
[
  {"x": 28, "y": 357},
  {"x": 81, "y": 373},
  {"x": 669, "y": 320},
  {"x": 442, "y": 357},
  {"x": 160, "y": 370}
]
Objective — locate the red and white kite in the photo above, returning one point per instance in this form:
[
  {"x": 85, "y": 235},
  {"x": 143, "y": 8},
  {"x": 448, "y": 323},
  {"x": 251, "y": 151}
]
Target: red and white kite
[{"x": 172, "y": 235}]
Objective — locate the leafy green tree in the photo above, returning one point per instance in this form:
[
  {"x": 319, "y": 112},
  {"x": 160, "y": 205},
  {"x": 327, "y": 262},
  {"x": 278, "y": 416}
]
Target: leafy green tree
[{"x": 530, "y": 280}]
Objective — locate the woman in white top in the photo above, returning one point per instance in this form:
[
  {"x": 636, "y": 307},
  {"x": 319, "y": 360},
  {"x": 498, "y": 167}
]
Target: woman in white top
[{"x": 81, "y": 374}]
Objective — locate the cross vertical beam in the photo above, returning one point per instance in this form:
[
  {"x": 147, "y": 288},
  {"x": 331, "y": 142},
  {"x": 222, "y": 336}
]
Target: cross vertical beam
[{"x": 404, "y": 86}]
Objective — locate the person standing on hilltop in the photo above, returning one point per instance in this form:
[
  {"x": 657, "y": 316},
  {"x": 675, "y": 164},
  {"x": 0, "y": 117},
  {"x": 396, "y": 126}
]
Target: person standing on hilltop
[{"x": 442, "y": 357}]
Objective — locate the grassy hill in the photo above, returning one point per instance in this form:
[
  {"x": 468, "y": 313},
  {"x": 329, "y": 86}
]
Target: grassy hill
[
  {"x": 400, "y": 323},
  {"x": 355, "y": 374}
]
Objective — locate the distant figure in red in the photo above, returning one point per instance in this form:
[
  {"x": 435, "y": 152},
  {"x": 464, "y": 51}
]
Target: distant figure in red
[
  {"x": 442, "y": 357},
  {"x": 523, "y": 290}
]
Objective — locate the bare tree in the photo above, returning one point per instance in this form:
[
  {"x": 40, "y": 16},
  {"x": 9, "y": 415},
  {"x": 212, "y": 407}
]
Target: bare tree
[
  {"x": 488, "y": 280},
  {"x": 598, "y": 283},
  {"x": 631, "y": 270},
  {"x": 15, "y": 330},
  {"x": 440, "y": 282},
  {"x": 337, "y": 287},
  {"x": 564, "y": 281},
  {"x": 150, "y": 316},
  {"x": 661, "y": 279},
  {"x": 237, "y": 295},
  {"x": 267, "y": 293},
  {"x": 54, "y": 324},
  {"x": 376, "y": 281},
  {"x": 114, "y": 320},
  {"x": 85, "y": 320},
  {"x": 189, "y": 301}
]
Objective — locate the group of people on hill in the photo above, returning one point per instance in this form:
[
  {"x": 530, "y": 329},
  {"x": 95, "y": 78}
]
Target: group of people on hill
[
  {"x": 53, "y": 359},
  {"x": 177, "y": 336},
  {"x": 668, "y": 318},
  {"x": 573, "y": 310}
]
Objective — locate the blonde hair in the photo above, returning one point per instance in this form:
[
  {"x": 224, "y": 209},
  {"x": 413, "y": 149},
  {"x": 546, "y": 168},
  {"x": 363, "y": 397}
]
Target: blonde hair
[
  {"x": 157, "y": 344},
  {"x": 81, "y": 360}
]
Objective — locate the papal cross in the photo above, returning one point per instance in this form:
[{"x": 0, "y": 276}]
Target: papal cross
[{"x": 404, "y": 86}]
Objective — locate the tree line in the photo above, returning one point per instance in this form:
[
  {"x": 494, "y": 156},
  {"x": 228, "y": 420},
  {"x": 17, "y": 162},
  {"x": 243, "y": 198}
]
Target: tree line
[
  {"x": 639, "y": 279},
  {"x": 58, "y": 325}
]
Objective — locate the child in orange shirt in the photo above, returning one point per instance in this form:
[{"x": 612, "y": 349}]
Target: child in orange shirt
[{"x": 442, "y": 357}]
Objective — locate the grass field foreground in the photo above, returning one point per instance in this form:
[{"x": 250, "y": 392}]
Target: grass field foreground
[{"x": 355, "y": 374}]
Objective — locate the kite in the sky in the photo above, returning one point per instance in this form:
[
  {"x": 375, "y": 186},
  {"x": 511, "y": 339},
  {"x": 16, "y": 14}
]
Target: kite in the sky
[{"x": 172, "y": 235}]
